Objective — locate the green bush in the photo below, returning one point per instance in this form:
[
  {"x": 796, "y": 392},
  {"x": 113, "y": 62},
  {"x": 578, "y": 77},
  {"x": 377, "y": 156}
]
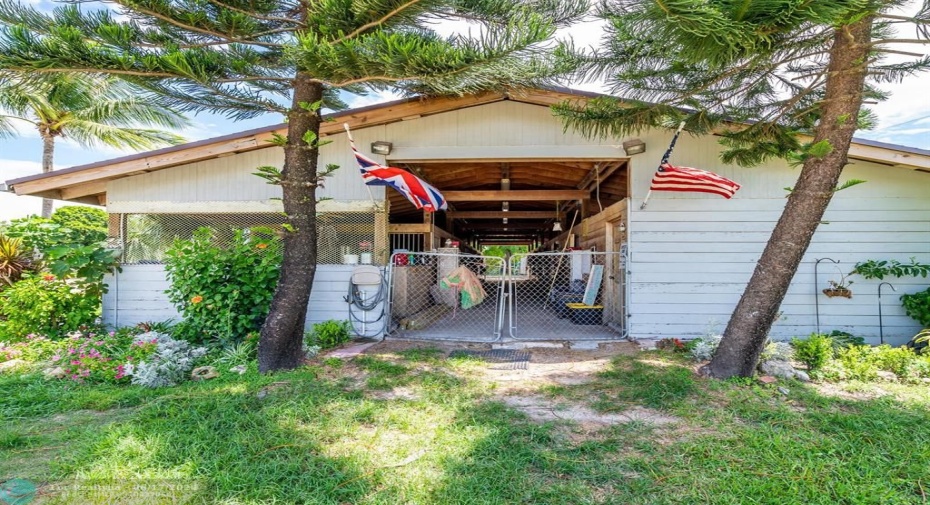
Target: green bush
[
  {"x": 88, "y": 225},
  {"x": 858, "y": 363},
  {"x": 917, "y": 305},
  {"x": 328, "y": 334},
  {"x": 46, "y": 305},
  {"x": 814, "y": 351},
  {"x": 223, "y": 292}
]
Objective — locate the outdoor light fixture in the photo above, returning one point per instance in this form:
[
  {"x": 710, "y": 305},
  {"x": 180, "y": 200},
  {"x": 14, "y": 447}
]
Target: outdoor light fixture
[
  {"x": 505, "y": 206},
  {"x": 557, "y": 226},
  {"x": 634, "y": 146},
  {"x": 381, "y": 147}
]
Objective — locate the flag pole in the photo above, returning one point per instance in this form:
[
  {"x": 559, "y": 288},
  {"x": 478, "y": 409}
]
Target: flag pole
[
  {"x": 352, "y": 144},
  {"x": 665, "y": 157}
]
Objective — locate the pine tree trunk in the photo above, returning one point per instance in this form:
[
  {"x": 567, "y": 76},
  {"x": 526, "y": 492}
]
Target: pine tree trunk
[
  {"x": 280, "y": 345},
  {"x": 48, "y": 156},
  {"x": 753, "y": 317}
]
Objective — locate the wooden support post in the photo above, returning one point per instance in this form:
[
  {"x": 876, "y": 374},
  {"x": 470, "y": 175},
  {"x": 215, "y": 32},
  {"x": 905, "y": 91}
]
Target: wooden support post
[
  {"x": 428, "y": 236},
  {"x": 382, "y": 245}
]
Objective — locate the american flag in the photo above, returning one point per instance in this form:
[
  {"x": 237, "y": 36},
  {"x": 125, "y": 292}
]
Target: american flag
[
  {"x": 419, "y": 192},
  {"x": 670, "y": 178}
]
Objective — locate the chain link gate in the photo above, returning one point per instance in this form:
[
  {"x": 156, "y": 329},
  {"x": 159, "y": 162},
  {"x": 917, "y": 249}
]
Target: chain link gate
[
  {"x": 447, "y": 296},
  {"x": 575, "y": 295},
  {"x": 457, "y": 296}
]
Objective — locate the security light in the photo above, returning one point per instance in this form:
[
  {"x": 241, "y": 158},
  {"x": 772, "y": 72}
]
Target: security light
[
  {"x": 634, "y": 146},
  {"x": 381, "y": 147}
]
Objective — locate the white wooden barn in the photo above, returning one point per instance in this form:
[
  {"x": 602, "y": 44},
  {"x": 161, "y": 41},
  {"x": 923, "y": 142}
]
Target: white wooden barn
[{"x": 498, "y": 156}]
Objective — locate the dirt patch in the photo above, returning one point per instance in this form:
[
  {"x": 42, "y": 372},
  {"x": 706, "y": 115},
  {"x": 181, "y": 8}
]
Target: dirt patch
[
  {"x": 547, "y": 366},
  {"x": 400, "y": 393},
  {"x": 542, "y": 409}
]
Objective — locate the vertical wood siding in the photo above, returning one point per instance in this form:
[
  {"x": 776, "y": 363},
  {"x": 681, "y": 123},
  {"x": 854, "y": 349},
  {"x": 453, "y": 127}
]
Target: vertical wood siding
[
  {"x": 692, "y": 254},
  {"x": 137, "y": 294}
]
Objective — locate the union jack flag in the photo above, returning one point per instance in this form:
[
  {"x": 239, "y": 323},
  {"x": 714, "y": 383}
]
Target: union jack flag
[{"x": 419, "y": 192}]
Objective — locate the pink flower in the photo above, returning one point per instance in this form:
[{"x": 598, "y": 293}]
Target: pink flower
[
  {"x": 76, "y": 362},
  {"x": 72, "y": 350},
  {"x": 56, "y": 357},
  {"x": 99, "y": 342}
]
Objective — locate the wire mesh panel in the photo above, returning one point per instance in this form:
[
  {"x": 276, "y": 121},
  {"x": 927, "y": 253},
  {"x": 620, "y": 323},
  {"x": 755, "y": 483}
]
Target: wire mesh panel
[
  {"x": 342, "y": 236},
  {"x": 576, "y": 295},
  {"x": 447, "y": 296}
]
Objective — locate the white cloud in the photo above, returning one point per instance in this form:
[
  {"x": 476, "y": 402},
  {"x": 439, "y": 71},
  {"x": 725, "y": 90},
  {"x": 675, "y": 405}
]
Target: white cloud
[{"x": 13, "y": 206}]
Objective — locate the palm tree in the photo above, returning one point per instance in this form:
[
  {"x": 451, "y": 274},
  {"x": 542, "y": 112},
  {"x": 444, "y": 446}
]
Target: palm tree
[{"x": 90, "y": 110}]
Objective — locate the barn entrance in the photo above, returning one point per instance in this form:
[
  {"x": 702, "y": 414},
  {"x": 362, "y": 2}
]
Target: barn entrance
[{"x": 528, "y": 250}]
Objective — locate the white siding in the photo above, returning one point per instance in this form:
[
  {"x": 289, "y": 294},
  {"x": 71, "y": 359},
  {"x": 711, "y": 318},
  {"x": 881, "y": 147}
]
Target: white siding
[
  {"x": 497, "y": 130},
  {"x": 138, "y": 295},
  {"x": 692, "y": 254}
]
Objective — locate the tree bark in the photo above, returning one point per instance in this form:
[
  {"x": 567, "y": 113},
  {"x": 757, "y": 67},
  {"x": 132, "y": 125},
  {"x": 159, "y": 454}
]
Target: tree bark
[
  {"x": 748, "y": 329},
  {"x": 280, "y": 345},
  {"x": 48, "y": 156}
]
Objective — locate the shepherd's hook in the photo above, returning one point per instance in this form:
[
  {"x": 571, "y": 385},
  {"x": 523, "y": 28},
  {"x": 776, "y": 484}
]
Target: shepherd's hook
[{"x": 881, "y": 327}]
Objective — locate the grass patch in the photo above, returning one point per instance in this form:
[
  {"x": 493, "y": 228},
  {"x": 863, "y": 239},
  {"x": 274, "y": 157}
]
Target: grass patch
[{"x": 303, "y": 437}]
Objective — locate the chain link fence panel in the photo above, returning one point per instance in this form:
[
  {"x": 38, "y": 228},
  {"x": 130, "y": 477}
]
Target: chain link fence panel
[{"x": 341, "y": 236}]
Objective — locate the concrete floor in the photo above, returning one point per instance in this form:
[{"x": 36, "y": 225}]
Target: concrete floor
[{"x": 531, "y": 321}]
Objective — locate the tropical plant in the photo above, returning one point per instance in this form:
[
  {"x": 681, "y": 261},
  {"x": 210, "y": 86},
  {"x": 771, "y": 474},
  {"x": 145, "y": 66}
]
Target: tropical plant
[
  {"x": 773, "y": 79},
  {"x": 90, "y": 110},
  {"x": 244, "y": 59},
  {"x": 14, "y": 260}
]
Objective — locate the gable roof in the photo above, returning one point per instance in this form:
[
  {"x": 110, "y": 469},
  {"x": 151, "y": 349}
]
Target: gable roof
[{"x": 87, "y": 183}]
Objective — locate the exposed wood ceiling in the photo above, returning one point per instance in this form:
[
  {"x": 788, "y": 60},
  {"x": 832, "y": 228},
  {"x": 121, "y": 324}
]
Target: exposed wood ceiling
[{"x": 536, "y": 188}]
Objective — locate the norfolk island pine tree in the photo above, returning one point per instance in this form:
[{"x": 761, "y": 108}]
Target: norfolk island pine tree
[
  {"x": 90, "y": 110},
  {"x": 246, "y": 58},
  {"x": 773, "y": 79}
]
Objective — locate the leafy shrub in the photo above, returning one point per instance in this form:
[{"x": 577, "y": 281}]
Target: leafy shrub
[
  {"x": 328, "y": 334},
  {"x": 223, "y": 293},
  {"x": 843, "y": 339},
  {"x": 87, "y": 225},
  {"x": 168, "y": 364},
  {"x": 917, "y": 305},
  {"x": 858, "y": 363},
  {"x": 47, "y": 306},
  {"x": 814, "y": 351},
  {"x": 704, "y": 348}
]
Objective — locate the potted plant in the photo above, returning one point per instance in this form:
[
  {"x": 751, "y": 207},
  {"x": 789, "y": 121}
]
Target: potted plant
[{"x": 839, "y": 288}]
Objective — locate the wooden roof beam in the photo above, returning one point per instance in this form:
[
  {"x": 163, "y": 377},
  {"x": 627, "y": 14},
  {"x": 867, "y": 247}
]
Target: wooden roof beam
[
  {"x": 514, "y": 214},
  {"x": 532, "y": 195}
]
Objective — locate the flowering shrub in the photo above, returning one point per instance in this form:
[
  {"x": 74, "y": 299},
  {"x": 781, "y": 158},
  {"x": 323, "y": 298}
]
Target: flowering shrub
[
  {"x": 168, "y": 364},
  {"x": 223, "y": 293},
  {"x": 98, "y": 356},
  {"x": 45, "y": 305}
]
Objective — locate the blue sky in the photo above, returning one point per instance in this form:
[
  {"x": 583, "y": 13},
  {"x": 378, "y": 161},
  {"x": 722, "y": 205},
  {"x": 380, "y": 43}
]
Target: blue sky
[{"x": 903, "y": 119}]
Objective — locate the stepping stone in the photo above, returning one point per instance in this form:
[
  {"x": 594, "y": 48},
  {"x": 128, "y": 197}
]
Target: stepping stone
[{"x": 350, "y": 352}]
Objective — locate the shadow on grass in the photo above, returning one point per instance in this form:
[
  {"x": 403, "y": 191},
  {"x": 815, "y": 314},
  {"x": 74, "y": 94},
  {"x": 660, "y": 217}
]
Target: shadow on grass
[{"x": 296, "y": 438}]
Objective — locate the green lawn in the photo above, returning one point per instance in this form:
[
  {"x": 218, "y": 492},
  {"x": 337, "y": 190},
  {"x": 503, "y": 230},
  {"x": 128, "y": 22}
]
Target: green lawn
[{"x": 418, "y": 428}]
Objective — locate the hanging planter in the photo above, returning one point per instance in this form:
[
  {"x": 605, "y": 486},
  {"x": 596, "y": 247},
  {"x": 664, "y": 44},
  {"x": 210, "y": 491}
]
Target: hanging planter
[{"x": 838, "y": 289}]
